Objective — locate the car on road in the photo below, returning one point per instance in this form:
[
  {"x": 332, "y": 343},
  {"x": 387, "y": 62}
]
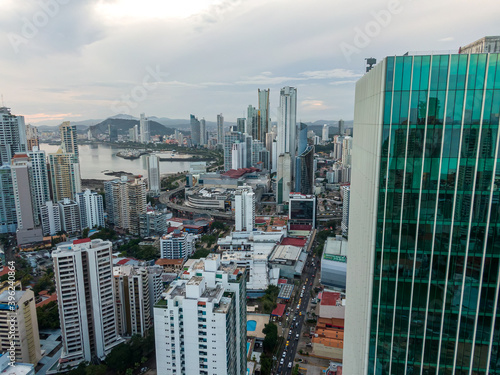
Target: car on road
[
  {"x": 282, "y": 361},
  {"x": 297, "y": 336},
  {"x": 289, "y": 364},
  {"x": 284, "y": 354},
  {"x": 287, "y": 343}
]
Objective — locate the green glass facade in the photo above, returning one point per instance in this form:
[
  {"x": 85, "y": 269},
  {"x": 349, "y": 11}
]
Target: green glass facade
[{"x": 435, "y": 305}]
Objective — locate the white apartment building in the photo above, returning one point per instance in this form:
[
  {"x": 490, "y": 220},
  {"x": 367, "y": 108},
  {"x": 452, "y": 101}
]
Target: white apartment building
[
  {"x": 200, "y": 322},
  {"x": 27, "y": 341},
  {"x": 40, "y": 177},
  {"x": 91, "y": 209},
  {"x": 177, "y": 245},
  {"x": 244, "y": 211},
  {"x": 132, "y": 300},
  {"x": 86, "y": 300},
  {"x": 144, "y": 129},
  {"x": 51, "y": 219}
]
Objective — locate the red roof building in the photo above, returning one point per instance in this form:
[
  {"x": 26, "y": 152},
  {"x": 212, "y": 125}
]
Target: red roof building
[{"x": 279, "y": 310}]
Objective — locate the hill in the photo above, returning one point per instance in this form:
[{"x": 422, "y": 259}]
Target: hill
[{"x": 123, "y": 126}]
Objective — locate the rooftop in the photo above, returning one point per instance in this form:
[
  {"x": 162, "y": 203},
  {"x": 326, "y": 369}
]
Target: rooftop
[
  {"x": 331, "y": 298},
  {"x": 335, "y": 247}
]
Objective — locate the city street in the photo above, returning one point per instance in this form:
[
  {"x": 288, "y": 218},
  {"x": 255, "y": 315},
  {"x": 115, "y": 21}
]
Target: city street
[{"x": 285, "y": 362}]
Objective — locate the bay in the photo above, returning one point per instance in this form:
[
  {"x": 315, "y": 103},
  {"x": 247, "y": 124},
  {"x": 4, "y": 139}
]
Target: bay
[{"x": 100, "y": 158}]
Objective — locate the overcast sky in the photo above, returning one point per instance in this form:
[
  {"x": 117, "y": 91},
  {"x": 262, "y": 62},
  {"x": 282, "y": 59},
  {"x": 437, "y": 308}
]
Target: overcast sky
[{"x": 77, "y": 60}]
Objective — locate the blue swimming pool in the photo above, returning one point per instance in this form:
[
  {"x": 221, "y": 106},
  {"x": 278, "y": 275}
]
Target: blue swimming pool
[
  {"x": 251, "y": 325},
  {"x": 248, "y": 347}
]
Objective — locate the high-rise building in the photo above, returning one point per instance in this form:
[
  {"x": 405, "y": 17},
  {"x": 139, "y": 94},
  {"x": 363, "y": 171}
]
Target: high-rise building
[
  {"x": 20, "y": 332},
  {"x": 51, "y": 219},
  {"x": 177, "y": 245},
  {"x": 341, "y": 127},
  {"x": 133, "y": 307},
  {"x": 346, "y": 199},
  {"x": 86, "y": 300},
  {"x": 240, "y": 124},
  {"x": 144, "y": 124},
  {"x": 69, "y": 140},
  {"x": 244, "y": 209},
  {"x": 64, "y": 175},
  {"x": 287, "y": 142},
  {"x": 252, "y": 122},
  {"x": 154, "y": 180},
  {"x": 238, "y": 155},
  {"x": 203, "y": 132},
  {"x": 346, "y": 152},
  {"x": 41, "y": 189},
  {"x": 69, "y": 212},
  {"x": 8, "y": 216},
  {"x": 304, "y": 166},
  {"x": 204, "y": 313},
  {"x": 153, "y": 223},
  {"x": 12, "y": 135},
  {"x": 195, "y": 130},
  {"x": 28, "y": 221},
  {"x": 32, "y": 139},
  {"x": 220, "y": 129},
  {"x": 263, "y": 122},
  {"x": 229, "y": 139},
  {"x": 91, "y": 209},
  {"x": 325, "y": 136},
  {"x": 179, "y": 137},
  {"x": 423, "y": 281},
  {"x": 125, "y": 202}
]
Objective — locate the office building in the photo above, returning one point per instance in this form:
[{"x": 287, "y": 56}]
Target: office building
[
  {"x": 334, "y": 263},
  {"x": 252, "y": 124},
  {"x": 302, "y": 211},
  {"x": 28, "y": 221},
  {"x": 244, "y": 209},
  {"x": 8, "y": 216},
  {"x": 32, "y": 139},
  {"x": 195, "y": 130},
  {"x": 200, "y": 321},
  {"x": 125, "y": 202},
  {"x": 69, "y": 212},
  {"x": 69, "y": 139},
  {"x": 65, "y": 178},
  {"x": 220, "y": 129},
  {"x": 423, "y": 281},
  {"x": 86, "y": 300},
  {"x": 264, "y": 121},
  {"x": 51, "y": 219},
  {"x": 18, "y": 318},
  {"x": 177, "y": 245},
  {"x": 144, "y": 124},
  {"x": 325, "y": 135},
  {"x": 91, "y": 209},
  {"x": 238, "y": 155},
  {"x": 133, "y": 308},
  {"x": 41, "y": 189},
  {"x": 346, "y": 197},
  {"x": 287, "y": 142},
  {"x": 154, "y": 179},
  {"x": 12, "y": 135}
]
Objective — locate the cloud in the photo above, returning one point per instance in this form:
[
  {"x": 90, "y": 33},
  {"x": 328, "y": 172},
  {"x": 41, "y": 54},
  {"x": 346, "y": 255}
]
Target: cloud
[
  {"x": 337, "y": 83},
  {"x": 266, "y": 78},
  {"x": 447, "y": 39},
  {"x": 330, "y": 74},
  {"x": 37, "y": 117},
  {"x": 313, "y": 105}
]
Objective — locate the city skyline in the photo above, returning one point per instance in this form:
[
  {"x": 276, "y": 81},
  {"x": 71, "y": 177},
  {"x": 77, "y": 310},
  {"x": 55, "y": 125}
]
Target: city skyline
[{"x": 72, "y": 70}]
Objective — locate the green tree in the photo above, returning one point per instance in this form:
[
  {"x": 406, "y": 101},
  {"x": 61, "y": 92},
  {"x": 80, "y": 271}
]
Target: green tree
[
  {"x": 266, "y": 364},
  {"x": 271, "y": 339},
  {"x": 119, "y": 358},
  {"x": 85, "y": 233},
  {"x": 96, "y": 369}
]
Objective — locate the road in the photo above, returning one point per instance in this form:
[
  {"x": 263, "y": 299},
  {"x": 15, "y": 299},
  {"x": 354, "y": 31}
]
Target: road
[
  {"x": 295, "y": 320},
  {"x": 165, "y": 199}
]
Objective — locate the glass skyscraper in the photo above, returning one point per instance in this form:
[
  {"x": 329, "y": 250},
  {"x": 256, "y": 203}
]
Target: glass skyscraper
[{"x": 423, "y": 271}]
